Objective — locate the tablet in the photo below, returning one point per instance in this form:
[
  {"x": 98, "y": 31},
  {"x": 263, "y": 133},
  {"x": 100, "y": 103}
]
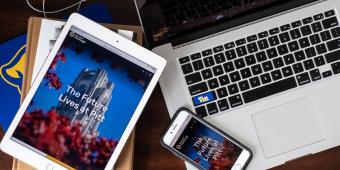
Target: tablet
[{"x": 85, "y": 101}]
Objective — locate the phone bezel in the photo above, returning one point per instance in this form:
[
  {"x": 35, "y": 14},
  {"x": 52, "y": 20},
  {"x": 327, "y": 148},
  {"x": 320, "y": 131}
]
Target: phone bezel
[{"x": 209, "y": 125}]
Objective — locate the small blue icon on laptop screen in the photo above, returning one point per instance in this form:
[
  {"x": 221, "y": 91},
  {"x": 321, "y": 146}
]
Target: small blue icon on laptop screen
[{"x": 203, "y": 98}]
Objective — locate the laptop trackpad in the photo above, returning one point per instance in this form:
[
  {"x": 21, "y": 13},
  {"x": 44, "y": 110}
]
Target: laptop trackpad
[{"x": 287, "y": 127}]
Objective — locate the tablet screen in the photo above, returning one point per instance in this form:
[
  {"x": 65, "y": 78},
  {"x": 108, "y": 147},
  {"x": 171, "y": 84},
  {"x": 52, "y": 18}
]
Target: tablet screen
[{"x": 84, "y": 103}]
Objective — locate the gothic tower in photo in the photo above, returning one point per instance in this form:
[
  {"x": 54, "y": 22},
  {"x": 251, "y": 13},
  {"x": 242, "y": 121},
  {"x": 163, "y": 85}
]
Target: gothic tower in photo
[{"x": 96, "y": 85}]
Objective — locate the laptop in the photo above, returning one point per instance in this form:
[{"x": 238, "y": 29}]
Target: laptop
[{"x": 264, "y": 71}]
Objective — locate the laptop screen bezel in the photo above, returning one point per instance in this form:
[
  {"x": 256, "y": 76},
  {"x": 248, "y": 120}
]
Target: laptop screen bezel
[{"x": 176, "y": 41}]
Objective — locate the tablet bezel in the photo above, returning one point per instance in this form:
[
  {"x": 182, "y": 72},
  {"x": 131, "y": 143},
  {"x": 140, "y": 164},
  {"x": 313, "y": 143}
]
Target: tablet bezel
[{"x": 40, "y": 162}]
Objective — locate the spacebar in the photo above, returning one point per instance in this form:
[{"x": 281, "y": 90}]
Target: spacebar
[{"x": 269, "y": 90}]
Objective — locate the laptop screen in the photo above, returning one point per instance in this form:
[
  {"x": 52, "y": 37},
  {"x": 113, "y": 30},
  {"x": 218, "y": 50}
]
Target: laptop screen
[{"x": 164, "y": 20}]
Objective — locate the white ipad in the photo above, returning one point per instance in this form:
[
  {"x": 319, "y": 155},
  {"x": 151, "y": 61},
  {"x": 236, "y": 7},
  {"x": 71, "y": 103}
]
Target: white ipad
[{"x": 85, "y": 101}]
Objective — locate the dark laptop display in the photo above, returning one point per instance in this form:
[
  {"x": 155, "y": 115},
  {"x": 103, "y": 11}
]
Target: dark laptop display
[{"x": 166, "y": 20}]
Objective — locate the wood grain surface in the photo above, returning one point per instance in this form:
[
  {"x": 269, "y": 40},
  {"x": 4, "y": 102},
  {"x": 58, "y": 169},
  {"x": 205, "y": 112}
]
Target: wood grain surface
[{"x": 149, "y": 155}]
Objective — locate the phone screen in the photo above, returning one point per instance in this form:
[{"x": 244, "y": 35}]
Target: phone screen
[{"x": 205, "y": 146}]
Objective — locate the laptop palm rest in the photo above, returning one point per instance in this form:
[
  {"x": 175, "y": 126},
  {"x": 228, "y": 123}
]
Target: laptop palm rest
[{"x": 287, "y": 127}]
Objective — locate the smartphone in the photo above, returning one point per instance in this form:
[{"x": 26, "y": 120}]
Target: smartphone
[{"x": 203, "y": 145}]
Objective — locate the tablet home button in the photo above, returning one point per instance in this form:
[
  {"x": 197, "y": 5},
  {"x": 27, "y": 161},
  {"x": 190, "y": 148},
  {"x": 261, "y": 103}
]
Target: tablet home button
[{"x": 49, "y": 167}]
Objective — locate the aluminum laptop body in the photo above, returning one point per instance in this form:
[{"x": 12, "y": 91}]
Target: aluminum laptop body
[{"x": 280, "y": 97}]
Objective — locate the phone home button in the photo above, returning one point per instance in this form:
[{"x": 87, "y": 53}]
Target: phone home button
[
  {"x": 236, "y": 167},
  {"x": 49, "y": 167}
]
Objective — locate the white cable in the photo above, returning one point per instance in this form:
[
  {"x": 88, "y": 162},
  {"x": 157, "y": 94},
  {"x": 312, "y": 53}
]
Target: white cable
[{"x": 56, "y": 11}]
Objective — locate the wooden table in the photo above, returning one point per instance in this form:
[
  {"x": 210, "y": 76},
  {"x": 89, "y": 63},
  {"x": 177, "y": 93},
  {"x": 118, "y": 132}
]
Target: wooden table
[{"x": 149, "y": 155}]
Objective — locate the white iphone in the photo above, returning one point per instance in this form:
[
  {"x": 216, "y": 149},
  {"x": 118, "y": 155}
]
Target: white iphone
[{"x": 203, "y": 145}]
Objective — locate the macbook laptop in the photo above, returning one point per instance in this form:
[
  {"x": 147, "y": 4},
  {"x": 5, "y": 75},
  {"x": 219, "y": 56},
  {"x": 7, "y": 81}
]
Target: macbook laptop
[{"x": 264, "y": 71}]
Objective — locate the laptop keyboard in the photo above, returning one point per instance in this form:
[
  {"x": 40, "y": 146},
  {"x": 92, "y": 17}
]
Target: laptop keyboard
[{"x": 270, "y": 62}]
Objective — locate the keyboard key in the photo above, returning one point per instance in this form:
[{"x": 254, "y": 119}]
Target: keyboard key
[
  {"x": 267, "y": 66},
  {"x": 241, "y": 41},
  {"x": 293, "y": 46},
  {"x": 252, "y": 47},
  {"x": 252, "y": 38},
  {"x": 241, "y": 51},
  {"x": 218, "y": 49},
  {"x": 254, "y": 82},
  {"x": 272, "y": 53},
  {"x": 274, "y": 31},
  {"x": 223, "y": 105},
  {"x": 329, "y": 13},
  {"x": 283, "y": 49},
  {"x": 285, "y": 27},
  {"x": 233, "y": 89},
  {"x": 217, "y": 70},
  {"x": 265, "y": 78},
  {"x": 245, "y": 73},
  {"x": 209, "y": 61},
  {"x": 319, "y": 61},
  {"x": 263, "y": 44},
  {"x": 300, "y": 55},
  {"x": 298, "y": 68},
  {"x": 184, "y": 60},
  {"x": 295, "y": 34},
  {"x": 274, "y": 40},
  {"x": 263, "y": 34},
  {"x": 187, "y": 68},
  {"x": 230, "y": 54},
  {"x": 261, "y": 56},
  {"x": 276, "y": 74},
  {"x": 235, "y": 101},
  {"x": 303, "y": 79},
  {"x": 201, "y": 111},
  {"x": 222, "y": 92},
  {"x": 316, "y": 27},
  {"x": 278, "y": 62},
  {"x": 228, "y": 67},
  {"x": 315, "y": 39},
  {"x": 207, "y": 73},
  {"x": 315, "y": 75},
  {"x": 193, "y": 78},
  {"x": 310, "y": 52},
  {"x": 335, "y": 32},
  {"x": 287, "y": 71},
  {"x": 195, "y": 56},
  {"x": 336, "y": 67},
  {"x": 308, "y": 64},
  {"x": 224, "y": 80},
  {"x": 318, "y": 17},
  {"x": 269, "y": 90},
  {"x": 219, "y": 58},
  {"x": 304, "y": 42},
  {"x": 321, "y": 48},
  {"x": 307, "y": 20},
  {"x": 256, "y": 69},
  {"x": 198, "y": 88},
  {"x": 244, "y": 85},
  {"x": 334, "y": 44},
  {"x": 204, "y": 98},
  {"x": 229, "y": 45},
  {"x": 326, "y": 35},
  {"x": 306, "y": 30},
  {"x": 327, "y": 74},
  {"x": 296, "y": 24},
  {"x": 239, "y": 63},
  {"x": 330, "y": 22},
  {"x": 198, "y": 65},
  {"x": 284, "y": 37},
  {"x": 250, "y": 60},
  {"x": 207, "y": 52},
  {"x": 235, "y": 76},
  {"x": 289, "y": 59},
  {"x": 213, "y": 83}
]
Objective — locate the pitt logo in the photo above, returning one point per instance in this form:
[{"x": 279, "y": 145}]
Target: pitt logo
[
  {"x": 12, "y": 72},
  {"x": 203, "y": 99}
]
